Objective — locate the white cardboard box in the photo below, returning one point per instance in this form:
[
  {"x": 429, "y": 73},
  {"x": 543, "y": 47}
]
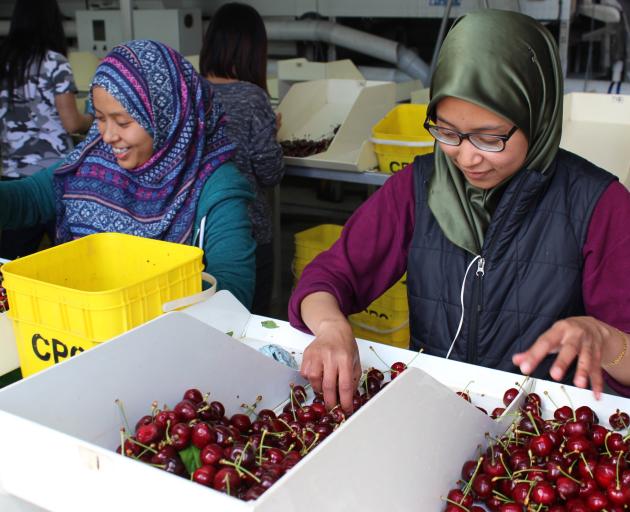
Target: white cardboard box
[
  {"x": 415, "y": 430},
  {"x": 65, "y": 419},
  {"x": 312, "y": 110}
]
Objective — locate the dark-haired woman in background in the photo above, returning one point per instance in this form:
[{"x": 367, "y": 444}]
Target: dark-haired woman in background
[
  {"x": 37, "y": 104},
  {"x": 234, "y": 60}
]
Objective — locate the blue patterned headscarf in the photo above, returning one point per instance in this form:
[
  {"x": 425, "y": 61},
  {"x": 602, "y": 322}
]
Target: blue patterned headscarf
[{"x": 162, "y": 92}]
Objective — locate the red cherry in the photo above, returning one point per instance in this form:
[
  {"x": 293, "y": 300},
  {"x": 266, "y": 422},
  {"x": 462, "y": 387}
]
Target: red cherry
[
  {"x": 496, "y": 412},
  {"x": 543, "y": 493},
  {"x": 483, "y": 486},
  {"x": 566, "y": 488},
  {"x": 150, "y": 433},
  {"x": 586, "y": 414},
  {"x": 541, "y": 445},
  {"x": 397, "y": 368},
  {"x": 509, "y": 396},
  {"x": 227, "y": 480},
  {"x": 575, "y": 428},
  {"x": 377, "y": 374},
  {"x": 616, "y": 495},
  {"x": 145, "y": 420},
  {"x": 510, "y": 507},
  {"x": 619, "y": 420},
  {"x": 194, "y": 395},
  {"x": 253, "y": 493},
  {"x": 457, "y": 496},
  {"x": 464, "y": 395},
  {"x": 165, "y": 418},
  {"x": 563, "y": 413},
  {"x": 161, "y": 457},
  {"x": 241, "y": 422},
  {"x": 204, "y": 475},
  {"x": 244, "y": 454},
  {"x": 596, "y": 501},
  {"x": 520, "y": 492},
  {"x": 201, "y": 435},
  {"x": 217, "y": 408},
  {"x": 211, "y": 454},
  {"x": 186, "y": 410},
  {"x": 579, "y": 444},
  {"x": 615, "y": 443},
  {"x": 180, "y": 436},
  {"x": 298, "y": 393},
  {"x": 605, "y": 474},
  {"x": 468, "y": 469},
  {"x": 598, "y": 435}
]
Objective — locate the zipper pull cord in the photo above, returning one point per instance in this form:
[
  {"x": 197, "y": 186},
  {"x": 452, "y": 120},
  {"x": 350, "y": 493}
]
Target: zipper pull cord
[{"x": 480, "y": 270}]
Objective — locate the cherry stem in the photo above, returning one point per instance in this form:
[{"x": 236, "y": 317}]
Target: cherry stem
[
  {"x": 379, "y": 357},
  {"x": 239, "y": 469},
  {"x": 608, "y": 434},
  {"x": 122, "y": 441},
  {"x": 546, "y": 393},
  {"x": 501, "y": 497},
  {"x": 563, "y": 472},
  {"x": 414, "y": 357},
  {"x": 617, "y": 470},
  {"x": 531, "y": 418},
  {"x": 468, "y": 485},
  {"x": 452, "y": 502},
  {"x": 521, "y": 385},
  {"x": 121, "y": 408},
  {"x": 570, "y": 401},
  {"x": 504, "y": 466},
  {"x": 260, "y": 449},
  {"x": 147, "y": 448},
  {"x": 239, "y": 459},
  {"x": 466, "y": 388},
  {"x": 586, "y": 465}
]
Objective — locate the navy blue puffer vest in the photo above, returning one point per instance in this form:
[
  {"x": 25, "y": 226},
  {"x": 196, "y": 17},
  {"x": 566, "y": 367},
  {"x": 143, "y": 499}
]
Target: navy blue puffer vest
[{"x": 529, "y": 274}]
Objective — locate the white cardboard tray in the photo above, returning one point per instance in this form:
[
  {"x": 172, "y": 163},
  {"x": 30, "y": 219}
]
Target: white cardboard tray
[
  {"x": 67, "y": 415},
  {"x": 312, "y": 110}
]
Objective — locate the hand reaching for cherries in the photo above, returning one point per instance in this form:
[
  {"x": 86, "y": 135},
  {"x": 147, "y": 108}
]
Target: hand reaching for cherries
[{"x": 594, "y": 343}]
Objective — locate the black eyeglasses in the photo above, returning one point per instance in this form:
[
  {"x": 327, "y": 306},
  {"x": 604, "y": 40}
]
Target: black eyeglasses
[{"x": 482, "y": 141}]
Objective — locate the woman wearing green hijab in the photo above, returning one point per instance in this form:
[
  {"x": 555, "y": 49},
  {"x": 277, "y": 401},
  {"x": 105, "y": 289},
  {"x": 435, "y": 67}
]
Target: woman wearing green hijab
[{"x": 515, "y": 250}]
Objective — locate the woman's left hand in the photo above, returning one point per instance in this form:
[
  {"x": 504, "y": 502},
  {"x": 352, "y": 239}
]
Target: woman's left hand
[{"x": 583, "y": 337}]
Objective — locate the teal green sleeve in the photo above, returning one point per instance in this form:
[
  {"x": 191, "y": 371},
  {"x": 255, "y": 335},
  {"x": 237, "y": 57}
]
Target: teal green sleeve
[
  {"x": 228, "y": 243},
  {"x": 27, "y": 202}
]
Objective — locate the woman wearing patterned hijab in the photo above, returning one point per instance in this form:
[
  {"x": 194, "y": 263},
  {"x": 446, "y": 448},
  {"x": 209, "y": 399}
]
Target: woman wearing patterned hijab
[
  {"x": 516, "y": 252},
  {"x": 154, "y": 164}
]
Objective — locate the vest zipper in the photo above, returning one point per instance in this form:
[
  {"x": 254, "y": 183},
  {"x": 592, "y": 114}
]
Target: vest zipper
[{"x": 476, "y": 307}]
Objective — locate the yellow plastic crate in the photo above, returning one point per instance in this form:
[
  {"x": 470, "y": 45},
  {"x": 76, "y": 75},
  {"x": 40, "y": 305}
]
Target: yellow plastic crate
[
  {"x": 69, "y": 298},
  {"x": 386, "y": 320},
  {"x": 400, "y": 136}
]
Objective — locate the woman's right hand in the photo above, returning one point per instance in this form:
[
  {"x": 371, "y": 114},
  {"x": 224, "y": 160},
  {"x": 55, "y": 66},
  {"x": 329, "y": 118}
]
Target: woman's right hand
[{"x": 331, "y": 364}]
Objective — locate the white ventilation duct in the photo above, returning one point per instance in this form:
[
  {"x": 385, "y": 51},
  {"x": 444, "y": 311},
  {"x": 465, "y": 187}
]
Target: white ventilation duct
[{"x": 328, "y": 32}]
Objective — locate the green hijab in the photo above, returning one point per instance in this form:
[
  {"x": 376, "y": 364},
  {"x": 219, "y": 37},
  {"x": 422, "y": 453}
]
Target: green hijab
[{"x": 507, "y": 63}]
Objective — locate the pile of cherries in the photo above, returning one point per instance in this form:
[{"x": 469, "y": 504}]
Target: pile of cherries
[
  {"x": 245, "y": 453},
  {"x": 568, "y": 463},
  {"x": 306, "y": 147},
  {"x": 4, "y": 302}
]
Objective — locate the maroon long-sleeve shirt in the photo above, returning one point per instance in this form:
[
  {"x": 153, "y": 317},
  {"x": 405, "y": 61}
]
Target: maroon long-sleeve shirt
[{"x": 371, "y": 255}]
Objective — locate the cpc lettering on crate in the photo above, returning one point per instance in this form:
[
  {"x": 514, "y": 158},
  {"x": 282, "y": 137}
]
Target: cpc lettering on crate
[{"x": 45, "y": 349}]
